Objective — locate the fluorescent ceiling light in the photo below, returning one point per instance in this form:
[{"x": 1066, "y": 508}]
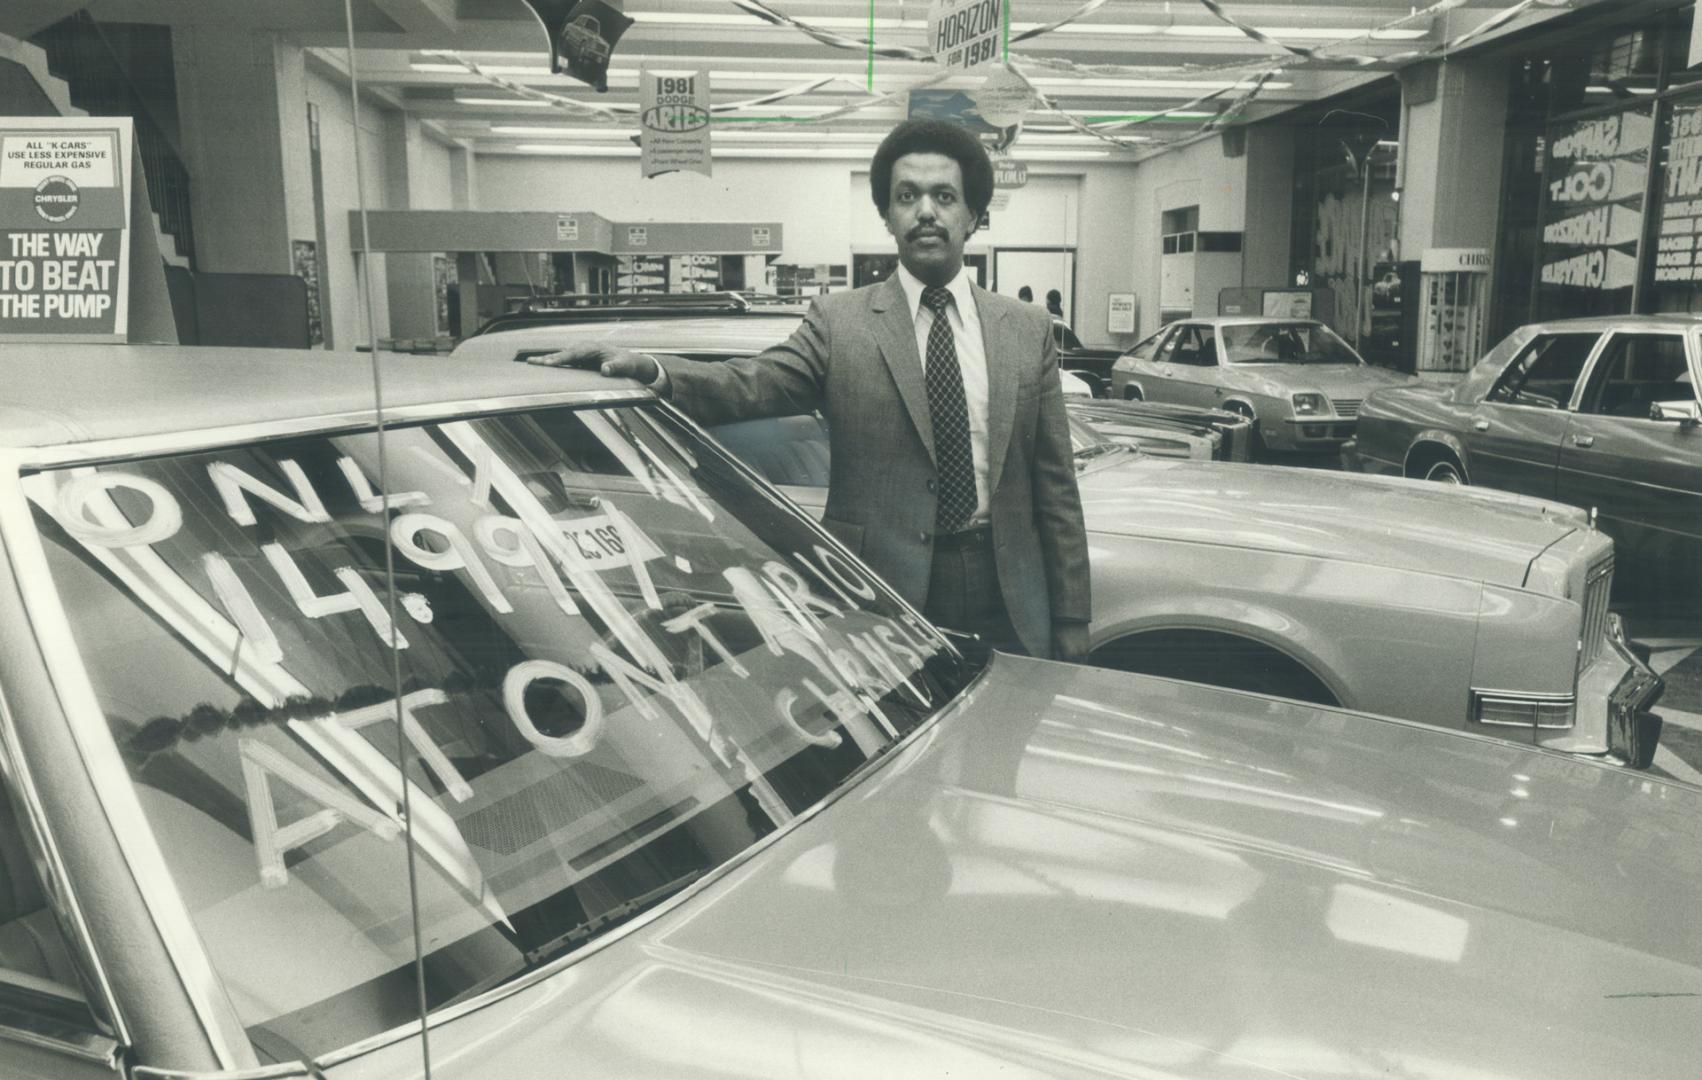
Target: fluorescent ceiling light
[
  {"x": 522, "y": 103},
  {"x": 1064, "y": 136},
  {"x": 849, "y": 153}
]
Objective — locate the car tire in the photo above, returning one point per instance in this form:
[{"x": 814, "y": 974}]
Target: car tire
[{"x": 1446, "y": 470}]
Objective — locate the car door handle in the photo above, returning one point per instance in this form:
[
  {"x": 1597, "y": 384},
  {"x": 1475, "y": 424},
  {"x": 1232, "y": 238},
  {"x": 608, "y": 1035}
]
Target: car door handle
[
  {"x": 1584, "y": 440},
  {"x": 1481, "y": 425}
]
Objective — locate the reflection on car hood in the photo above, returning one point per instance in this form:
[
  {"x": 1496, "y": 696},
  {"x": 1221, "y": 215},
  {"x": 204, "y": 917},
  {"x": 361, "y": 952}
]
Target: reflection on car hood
[
  {"x": 1333, "y": 380},
  {"x": 1461, "y": 532},
  {"x": 1083, "y": 873}
]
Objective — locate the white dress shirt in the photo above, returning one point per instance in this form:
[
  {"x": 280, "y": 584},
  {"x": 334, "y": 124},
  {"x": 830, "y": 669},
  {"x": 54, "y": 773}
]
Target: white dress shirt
[{"x": 965, "y": 323}]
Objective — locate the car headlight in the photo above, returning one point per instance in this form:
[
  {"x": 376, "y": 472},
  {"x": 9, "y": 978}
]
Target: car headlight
[
  {"x": 1529, "y": 711},
  {"x": 1309, "y": 404}
]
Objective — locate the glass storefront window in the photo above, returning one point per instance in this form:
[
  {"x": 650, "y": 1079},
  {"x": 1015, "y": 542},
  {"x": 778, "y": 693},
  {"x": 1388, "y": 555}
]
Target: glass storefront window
[{"x": 1595, "y": 177}]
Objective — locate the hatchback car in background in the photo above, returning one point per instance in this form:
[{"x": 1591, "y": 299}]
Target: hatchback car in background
[
  {"x": 1298, "y": 382},
  {"x": 1601, "y": 413},
  {"x": 535, "y": 718}
]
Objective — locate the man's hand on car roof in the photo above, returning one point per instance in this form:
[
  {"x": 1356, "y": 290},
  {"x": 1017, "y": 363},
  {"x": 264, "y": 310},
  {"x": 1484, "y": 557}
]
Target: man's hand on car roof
[{"x": 614, "y": 363}]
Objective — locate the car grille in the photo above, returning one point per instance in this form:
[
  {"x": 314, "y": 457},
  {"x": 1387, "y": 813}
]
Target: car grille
[
  {"x": 1346, "y": 407},
  {"x": 1597, "y": 584}
]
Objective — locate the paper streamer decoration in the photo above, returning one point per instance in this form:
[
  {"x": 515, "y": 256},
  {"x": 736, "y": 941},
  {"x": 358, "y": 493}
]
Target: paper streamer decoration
[
  {"x": 674, "y": 123},
  {"x": 582, "y": 35}
]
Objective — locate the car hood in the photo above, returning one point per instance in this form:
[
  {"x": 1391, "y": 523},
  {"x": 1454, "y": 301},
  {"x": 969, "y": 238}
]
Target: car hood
[
  {"x": 1349, "y": 381},
  {"x": 1461, "y": 532},
  {"x": 1083, "y": 873}
]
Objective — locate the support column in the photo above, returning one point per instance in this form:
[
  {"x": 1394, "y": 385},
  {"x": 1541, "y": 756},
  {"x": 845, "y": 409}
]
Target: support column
[
  {"x": 1455, "y": 122},
  {"x": 1453, "y": 131},
  {"x": 239, "y": 98},
  {"x": 410, "y": 280}
]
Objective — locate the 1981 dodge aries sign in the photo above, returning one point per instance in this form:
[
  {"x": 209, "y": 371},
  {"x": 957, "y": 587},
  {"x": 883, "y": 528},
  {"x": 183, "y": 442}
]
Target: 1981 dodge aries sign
[{"x": 64, "y": 225}]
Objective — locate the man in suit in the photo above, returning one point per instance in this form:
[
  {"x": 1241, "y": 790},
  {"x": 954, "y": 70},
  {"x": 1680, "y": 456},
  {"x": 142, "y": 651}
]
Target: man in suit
[{"x": 952, "y": 472}]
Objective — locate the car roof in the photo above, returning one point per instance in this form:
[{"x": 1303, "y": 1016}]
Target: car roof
[
  {"x": 56, "y": 395},
  {"x": 1598, "y": 323},
  {"x": 1246, "y": 320},
  {"x": 747, "y": 333}
]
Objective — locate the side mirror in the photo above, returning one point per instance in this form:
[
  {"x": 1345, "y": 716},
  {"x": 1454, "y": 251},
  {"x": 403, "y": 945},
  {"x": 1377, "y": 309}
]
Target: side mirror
[{"x": 1683, "y": 413}]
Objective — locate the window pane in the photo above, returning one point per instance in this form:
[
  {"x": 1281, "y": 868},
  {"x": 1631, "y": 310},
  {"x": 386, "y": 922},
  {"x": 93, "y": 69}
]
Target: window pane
[
  {"x": 1637, "y": 371},
  {"x": 1544, "y": 375}
]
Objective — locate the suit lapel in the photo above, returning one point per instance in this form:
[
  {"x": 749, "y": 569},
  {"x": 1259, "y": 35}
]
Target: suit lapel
[
  {"x": 1001, "y": 382},
  {"x": 895, "y": 332}
]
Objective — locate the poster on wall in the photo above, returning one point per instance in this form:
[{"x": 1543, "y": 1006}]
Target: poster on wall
[
  {"x": 642, "y": 273},
  {"x": 1595, "y": 175},
  {"x": 1678, "y": 256},
  {"x": 304, "y": 263},
  {"x": 64, "y": 228},
  {"x": 673, "y": 133}
]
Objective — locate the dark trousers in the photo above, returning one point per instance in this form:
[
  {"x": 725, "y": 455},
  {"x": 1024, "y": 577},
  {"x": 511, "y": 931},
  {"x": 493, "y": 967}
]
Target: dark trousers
[{"x": 963, "y": 594}]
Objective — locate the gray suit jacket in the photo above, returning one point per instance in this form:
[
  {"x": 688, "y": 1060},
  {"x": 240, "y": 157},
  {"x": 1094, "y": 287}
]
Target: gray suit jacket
[{"x": 854, "y": 358}]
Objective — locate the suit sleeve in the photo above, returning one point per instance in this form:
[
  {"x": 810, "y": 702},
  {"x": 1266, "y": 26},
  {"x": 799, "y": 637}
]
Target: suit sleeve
[
  {"x": 1057, "y": 501},
  {"x": 786, "y": 380}
]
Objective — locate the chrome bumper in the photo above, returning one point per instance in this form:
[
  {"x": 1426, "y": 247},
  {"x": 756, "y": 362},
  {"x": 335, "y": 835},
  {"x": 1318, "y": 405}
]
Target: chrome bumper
[{"x": 1633, "y": 732}]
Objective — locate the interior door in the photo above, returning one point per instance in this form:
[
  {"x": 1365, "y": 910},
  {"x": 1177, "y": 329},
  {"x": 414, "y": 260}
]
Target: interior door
[
  {"x": 1643, "y": 476},
  {"x": 1513, "y": 435}
]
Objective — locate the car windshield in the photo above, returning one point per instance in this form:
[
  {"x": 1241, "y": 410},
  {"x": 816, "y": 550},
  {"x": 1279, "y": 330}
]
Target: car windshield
[
  {"x": 621, "y": 664},
  {"x": 1284, "y": 343}
]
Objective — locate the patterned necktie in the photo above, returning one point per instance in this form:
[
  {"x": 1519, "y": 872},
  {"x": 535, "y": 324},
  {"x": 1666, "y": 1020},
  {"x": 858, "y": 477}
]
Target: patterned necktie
[{"x": 949, "y": 415}]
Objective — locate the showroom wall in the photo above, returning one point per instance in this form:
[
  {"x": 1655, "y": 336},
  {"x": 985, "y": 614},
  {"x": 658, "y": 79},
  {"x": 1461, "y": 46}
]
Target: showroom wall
[{"x": 794, "y": 192}]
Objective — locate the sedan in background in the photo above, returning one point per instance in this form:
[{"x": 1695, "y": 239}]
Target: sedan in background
[
  {"x": 1298, "y": 382},
  {"x": 1601, "y": 413},
  {"x": 1473, "y": 610}
]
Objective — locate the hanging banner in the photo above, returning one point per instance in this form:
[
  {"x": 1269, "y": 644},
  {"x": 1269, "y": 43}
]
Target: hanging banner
[
  {"x": 64, "y": 228},
  {"x": 582, "y": 36},
  {"x": 674, "y": 123},
  {"x": 964, "y": 33},
  {"x": 1678, "y": 257}
]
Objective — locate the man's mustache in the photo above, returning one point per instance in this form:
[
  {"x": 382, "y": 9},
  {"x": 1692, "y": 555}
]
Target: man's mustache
[{"x": 926, "y": 230}]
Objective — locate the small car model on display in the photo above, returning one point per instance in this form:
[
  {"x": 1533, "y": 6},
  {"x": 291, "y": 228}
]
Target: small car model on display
[
  {"x": 1298, "y": 382},
  {"x": 1601, "y": 413},
  {"x": 533, "y": 718}
]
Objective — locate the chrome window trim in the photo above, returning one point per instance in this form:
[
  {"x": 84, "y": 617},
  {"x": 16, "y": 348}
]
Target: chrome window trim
[
  {"x": 286, "y": 1071},
  {"x": 137, "y": 446},
  {"x": 111, "y": 780},
  {"x": 17, "y": 774},
  {"x": 1570, "y": 405},
  {"x": 20, "y": 1026},
  {"x": 1602, "y": 347}
]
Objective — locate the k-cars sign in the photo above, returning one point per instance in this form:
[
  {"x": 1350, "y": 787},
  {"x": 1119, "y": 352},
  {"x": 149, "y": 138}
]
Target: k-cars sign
[
  {"x": 64, "y": 217},
  {"x": 674, "y": 123}
]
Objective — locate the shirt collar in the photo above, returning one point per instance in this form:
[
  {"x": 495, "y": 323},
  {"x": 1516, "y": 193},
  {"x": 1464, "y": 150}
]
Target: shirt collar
[{"x": 959, "y": 287}]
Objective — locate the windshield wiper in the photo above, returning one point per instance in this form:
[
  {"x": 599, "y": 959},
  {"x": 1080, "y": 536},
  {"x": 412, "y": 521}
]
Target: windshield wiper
[{"x": 622, "y": 911}]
